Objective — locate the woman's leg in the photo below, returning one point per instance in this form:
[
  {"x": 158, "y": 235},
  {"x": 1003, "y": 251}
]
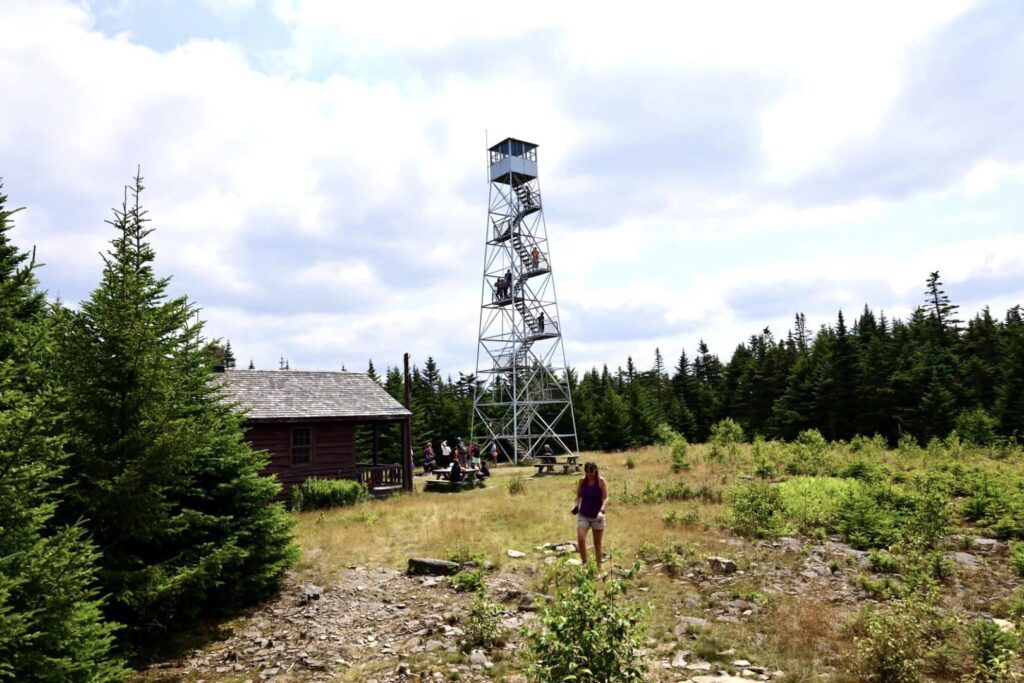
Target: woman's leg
[
  {"x": 597, "y": 547},
  {"x": 581, "y": 542}
]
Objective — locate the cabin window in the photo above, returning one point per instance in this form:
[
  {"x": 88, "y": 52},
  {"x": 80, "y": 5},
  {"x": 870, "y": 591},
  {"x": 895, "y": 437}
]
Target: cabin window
[{"x": 302, "y": 446}]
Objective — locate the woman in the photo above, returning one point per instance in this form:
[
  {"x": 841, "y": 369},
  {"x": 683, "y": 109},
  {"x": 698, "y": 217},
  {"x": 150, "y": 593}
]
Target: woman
[
  {"x": 591, "y": 499},
  {"x": 446, "y": 454},
  {"x": 428, "y": 458},
  {"x": 474, "y": 455}
]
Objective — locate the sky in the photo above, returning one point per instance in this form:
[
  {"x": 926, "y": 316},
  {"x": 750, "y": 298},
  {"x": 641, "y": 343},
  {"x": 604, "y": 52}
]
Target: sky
[{"x": 315, "y": 171}]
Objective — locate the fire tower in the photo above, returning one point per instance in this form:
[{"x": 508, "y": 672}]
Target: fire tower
[{"x": 522, "y": 399}]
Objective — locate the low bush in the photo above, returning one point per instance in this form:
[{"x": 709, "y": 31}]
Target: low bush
[
  {"x": 757, "y": 510},
  {"x": 993, "y": 653},
  {"x": 466, "y": 581},
  {"x": 630, "y": 462},
  {"x": 586, "y": 633},
  {"x": 680, "y": 451},
  {"x": 812, "y": 503},
  {"x": 1017, "y": 558},
  {"x": 482, "y": 626},
  {"x": 809, "y": 454},
  {"x": 317, "y": 494},
  {"x": 883, "y": 563},
  {"x": 889, "y": 647},
  {"x": 517, "y": 486},
  {"x": 976, "y": 427},
  {"x": 726, "y": 437}
]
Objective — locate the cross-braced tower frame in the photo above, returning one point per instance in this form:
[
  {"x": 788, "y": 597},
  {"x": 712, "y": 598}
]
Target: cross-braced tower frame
[{"x": 522, "y": 400}]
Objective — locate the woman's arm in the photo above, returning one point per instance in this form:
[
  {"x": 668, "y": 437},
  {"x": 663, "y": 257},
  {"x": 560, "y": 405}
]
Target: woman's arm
[
  {"x": 579, "y": 496},
  {"x": 604, "y": 494}
]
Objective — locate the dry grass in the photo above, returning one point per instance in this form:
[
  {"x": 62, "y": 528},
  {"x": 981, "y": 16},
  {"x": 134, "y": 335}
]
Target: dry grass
[{"x": 489, "y": 521}]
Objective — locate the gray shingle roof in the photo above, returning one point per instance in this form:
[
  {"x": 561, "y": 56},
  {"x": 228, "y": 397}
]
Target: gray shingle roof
[{"x": 296, "y": 394}]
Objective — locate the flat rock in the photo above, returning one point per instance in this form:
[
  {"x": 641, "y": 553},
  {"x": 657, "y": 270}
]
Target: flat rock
[
  {"x": 691, "y": 624},
  {"x": 419, "y": 566},
  {"x": 515, "y": 554},
  {"x": 722, "y": 565},
  {"x": 1004, "y": 625},
  {"x": 679, "y": 661},
  {"x": 741, "y": 663},
  {"x": 687, "y": 624},
  {"x": 987, "y": 545},
  {"x": 719, "y": 679},
  {"x": 964, "y": 559},
  {"x": 698, "y": 666}
]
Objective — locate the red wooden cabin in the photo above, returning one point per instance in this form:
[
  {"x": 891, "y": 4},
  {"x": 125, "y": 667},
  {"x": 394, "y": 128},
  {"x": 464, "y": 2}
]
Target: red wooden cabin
[{"x": 307, "y": 422}]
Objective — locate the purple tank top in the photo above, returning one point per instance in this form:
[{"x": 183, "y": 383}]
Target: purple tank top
[{"x": 591, "y": 498}]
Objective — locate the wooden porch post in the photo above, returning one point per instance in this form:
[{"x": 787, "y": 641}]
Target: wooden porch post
[
  {"x": 406, "y": 433},
  {"x": 376, "y": 443}
]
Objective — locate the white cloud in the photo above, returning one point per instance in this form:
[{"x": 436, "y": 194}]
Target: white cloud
[{"x": 332, "y": 215}]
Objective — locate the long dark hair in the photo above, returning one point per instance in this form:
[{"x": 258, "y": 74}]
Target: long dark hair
[{"x": 591, "y": 465}]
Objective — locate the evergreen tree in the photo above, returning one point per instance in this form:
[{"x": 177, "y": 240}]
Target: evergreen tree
[
  {"x": 51, "y": 625},
  {"x": 1010, "y": 405},
  {"x": 229, "y": 356},
  {"x": 158, "y": 466}
]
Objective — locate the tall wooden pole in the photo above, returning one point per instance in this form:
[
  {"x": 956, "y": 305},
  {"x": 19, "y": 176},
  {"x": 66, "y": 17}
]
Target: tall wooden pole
[{"x": 407, "y": 432}]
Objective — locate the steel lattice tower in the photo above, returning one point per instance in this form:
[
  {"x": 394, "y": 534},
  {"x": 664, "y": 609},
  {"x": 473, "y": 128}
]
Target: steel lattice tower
[{"x": 522, "y": 399}]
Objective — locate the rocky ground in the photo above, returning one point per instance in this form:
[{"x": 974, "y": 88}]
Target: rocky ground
[{"x": 382, "y": 625}]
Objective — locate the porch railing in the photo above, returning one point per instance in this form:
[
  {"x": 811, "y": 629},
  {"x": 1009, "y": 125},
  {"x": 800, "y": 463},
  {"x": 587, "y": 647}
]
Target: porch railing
[{"x": 375, "y": 476}]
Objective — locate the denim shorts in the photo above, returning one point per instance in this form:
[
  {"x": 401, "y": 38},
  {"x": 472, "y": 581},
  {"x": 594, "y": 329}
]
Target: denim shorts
[{"x": 595, "y": 523}]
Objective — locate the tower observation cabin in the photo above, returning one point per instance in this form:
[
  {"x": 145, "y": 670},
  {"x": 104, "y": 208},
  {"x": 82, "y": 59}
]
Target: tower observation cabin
[{"x": 523, "y": 399}]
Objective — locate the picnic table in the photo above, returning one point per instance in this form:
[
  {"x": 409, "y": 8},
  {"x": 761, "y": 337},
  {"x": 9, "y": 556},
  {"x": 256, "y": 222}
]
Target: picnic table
[
  {"x": 442, "y": 480},
  {"x": 547, "y": 464}
]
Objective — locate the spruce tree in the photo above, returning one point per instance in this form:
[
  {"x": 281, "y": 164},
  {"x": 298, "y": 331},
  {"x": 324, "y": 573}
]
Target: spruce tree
[
  {"x": 158, "y": 466},
  {"x": 51, "y": 625},
  {"x": 1010, "y": 404}
]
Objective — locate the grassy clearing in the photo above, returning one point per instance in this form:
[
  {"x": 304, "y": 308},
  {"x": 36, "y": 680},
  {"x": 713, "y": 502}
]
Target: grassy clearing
[
  {"x": 490, "y": 521},
  {"x": 909, "y": 506}
]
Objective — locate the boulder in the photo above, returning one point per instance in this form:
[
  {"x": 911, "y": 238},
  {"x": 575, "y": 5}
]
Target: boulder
[
  {"x": 687, "y": 624},
  {"x": 722, "y": 565},
  {"x": 419, "y": 566}
]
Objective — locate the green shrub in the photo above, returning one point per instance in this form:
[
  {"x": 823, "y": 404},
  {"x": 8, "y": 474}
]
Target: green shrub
[
  {"x": 517, "y": 486},
  {"x": 929, "y": 517},
  {"x": 766, "y": 455},
  {"x": 813, "y": 502},
  {"x": 1017, "y": 558},
  {"x": 976, "y": 427},
  {"x": 883, "y": 563},
  {"x": 630, "y": 462},
  {"x": 862, "y": 469},
  {"x": 868, "y": 445},
  {"x": 863, "y": 518},
  {"x": 586, "y": 634},
  {"x": 809, "y": 454},
  {"x": 680, "y": 450},
  {"x": 316, "y": 494},
  {"x": 890, "y": 648},
  {"x": 471, "y": 580},
  {"x": 757, "y": 510},
  {"x": 483, "y": 627},
  {"x": 665, "y": 435},
  {"x": 726, "y": 437},
  {"x": 670, "y": 518},
  {"x": 993, "y": 653}
]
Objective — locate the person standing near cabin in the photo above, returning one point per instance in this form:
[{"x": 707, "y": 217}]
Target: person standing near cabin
[
  {"x": 591, "y": 500},
  {"x": 428, "y": 458}
]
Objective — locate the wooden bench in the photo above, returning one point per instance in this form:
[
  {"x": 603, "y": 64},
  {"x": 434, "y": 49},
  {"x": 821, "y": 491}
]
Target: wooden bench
[{"x": 547, "y": 465}]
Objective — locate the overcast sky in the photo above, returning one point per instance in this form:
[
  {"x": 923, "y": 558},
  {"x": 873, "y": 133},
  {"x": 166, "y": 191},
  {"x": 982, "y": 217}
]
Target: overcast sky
[{"x": 315, "y": 171}]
